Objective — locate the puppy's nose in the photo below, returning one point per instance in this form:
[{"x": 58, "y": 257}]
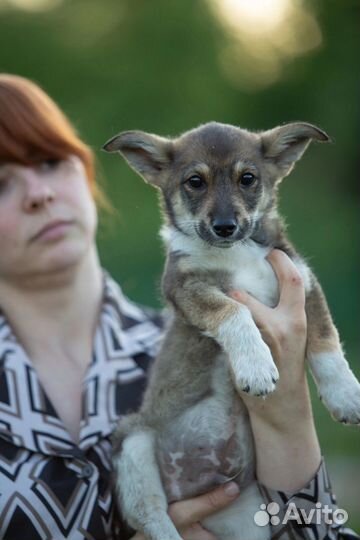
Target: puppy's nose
[{"x": 224, "y": 227}]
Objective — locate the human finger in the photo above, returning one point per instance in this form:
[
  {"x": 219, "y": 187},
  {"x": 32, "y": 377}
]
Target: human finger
[
  {"x": 259, "y": 311},
  {"x": 189, "y": 511},
  {"x": 292, "y": 291}
]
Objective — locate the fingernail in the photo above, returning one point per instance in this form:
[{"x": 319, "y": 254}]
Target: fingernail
[{"x": 231, "y": 489}]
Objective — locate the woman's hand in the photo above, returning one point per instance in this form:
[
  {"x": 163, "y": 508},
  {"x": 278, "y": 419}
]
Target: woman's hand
[
  {"x": 287, "y": 448},
  {"x": 188, "y": 513},
  {"x": 283, "y": 328}
]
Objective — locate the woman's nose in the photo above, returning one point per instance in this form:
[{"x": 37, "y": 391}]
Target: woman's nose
[{"x": 38, "y": 192}]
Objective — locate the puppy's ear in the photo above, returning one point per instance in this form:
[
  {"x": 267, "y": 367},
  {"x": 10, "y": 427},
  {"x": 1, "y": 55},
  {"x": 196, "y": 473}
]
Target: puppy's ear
[
  {"x": 283, "y": 146},
  {"x": 149, "y": 155}
]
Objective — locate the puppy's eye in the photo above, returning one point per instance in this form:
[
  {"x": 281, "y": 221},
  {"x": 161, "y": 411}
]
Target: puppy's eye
[
  {"x": 247, "y": 179},
  {"x": 196, "y": 182}
]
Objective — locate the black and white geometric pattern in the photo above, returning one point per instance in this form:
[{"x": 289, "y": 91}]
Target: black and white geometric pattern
[
  {"x": 310, "y": 500},
  {"x": 49, "y": 487},
  {"x": 52, "y": 489}
]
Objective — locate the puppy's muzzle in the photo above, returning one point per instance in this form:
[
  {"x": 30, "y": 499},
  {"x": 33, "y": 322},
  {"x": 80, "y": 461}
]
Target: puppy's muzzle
[{"x": 224, "y": 228}]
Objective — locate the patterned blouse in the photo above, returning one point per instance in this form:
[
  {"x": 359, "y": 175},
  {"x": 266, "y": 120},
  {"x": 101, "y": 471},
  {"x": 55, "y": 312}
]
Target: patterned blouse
[{"x": 52, "y": 489}]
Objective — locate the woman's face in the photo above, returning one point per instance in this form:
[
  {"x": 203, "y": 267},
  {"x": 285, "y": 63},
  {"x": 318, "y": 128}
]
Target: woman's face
[{"x": 47, "y": 217}]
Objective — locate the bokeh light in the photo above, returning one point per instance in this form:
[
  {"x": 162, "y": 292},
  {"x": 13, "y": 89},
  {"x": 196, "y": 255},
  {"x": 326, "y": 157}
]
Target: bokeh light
[
  {"x": 263, "y": 35},
  {"x": 30, "y": 5}
]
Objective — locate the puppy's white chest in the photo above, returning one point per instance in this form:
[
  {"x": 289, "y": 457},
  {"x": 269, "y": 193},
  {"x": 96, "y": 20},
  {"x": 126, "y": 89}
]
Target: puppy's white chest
[
  {"x": 252, "y": 272},
  {"x": 247, "y": 268},
  {"x": 256, "y": 276},
  {"x": 245, "y": 264}
]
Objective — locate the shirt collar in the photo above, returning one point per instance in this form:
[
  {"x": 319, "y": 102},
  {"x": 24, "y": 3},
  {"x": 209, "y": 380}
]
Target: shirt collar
[{"x": 27, "y": 418}]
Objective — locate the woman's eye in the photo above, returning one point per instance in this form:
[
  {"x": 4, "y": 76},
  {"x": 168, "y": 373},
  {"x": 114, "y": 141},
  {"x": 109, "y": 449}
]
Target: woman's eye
[
  {"x": 4, "y": 184},
  {"x": 49, "y": 164},
  {"x": 196, "y": 182},
  {"x": 247, "y": 179}
]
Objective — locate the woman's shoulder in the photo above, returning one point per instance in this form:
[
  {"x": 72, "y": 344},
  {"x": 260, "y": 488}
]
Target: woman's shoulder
[
  {"x": 139, "y": 328},
  {"x": 131, "y": 313}
]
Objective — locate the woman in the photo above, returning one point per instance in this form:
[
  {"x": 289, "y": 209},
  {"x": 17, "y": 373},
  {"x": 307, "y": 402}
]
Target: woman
[{"x": 74, "y": 351}]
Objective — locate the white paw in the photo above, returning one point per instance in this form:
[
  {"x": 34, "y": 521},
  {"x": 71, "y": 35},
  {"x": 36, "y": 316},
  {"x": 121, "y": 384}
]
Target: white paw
[
  {"x": 257, "y": 373},
  {"x": 342, "y": 399},
  {"x": 337, "y": 385}
]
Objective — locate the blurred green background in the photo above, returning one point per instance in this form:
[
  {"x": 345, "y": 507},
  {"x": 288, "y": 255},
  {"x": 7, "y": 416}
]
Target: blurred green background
[{"x": 166, "y": 66}]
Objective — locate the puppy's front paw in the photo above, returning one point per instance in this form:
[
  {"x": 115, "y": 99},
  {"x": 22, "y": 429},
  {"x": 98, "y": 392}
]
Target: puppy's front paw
[
  {"x": 342, "y": 399},
  {"x": 256, "y": 374}
]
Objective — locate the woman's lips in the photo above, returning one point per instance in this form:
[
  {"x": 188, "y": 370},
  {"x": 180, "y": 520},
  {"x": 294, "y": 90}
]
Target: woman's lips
[{"x": 53, "y": 231}]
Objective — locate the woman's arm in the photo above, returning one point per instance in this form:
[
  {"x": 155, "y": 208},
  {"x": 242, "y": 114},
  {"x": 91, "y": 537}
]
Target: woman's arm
[
  {"x": 282, "y": 423},
  {"x": 289, "y": 466}
]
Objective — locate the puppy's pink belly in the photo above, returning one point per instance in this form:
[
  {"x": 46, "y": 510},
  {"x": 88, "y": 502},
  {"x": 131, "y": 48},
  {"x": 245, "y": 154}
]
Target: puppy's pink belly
[{"x": 186, "y": 474}]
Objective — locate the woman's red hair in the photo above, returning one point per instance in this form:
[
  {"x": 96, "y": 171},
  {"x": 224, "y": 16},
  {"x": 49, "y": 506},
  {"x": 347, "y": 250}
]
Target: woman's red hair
[{"x": 33, "y": 129}]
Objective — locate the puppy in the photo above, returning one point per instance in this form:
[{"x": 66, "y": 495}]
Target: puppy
[{"x": 219, "y": 192}]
